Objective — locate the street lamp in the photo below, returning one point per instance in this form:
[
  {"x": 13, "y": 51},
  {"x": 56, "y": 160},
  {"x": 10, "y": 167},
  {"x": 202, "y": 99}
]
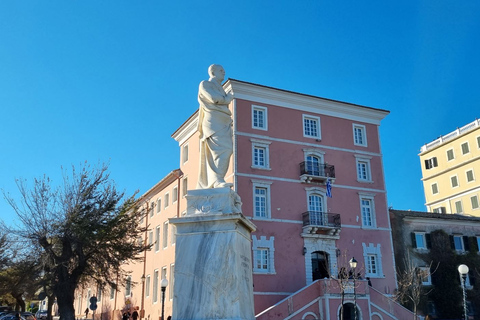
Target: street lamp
[
  {"x": 463, "y": 270},
  {"x": 142, "y": 311},
  {"x": 353, "y": 265},
  {"x": 163, "y": 285}
]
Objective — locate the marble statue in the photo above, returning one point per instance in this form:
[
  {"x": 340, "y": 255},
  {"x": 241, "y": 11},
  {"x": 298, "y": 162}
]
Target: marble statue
[{"x": 215, "y": 128}]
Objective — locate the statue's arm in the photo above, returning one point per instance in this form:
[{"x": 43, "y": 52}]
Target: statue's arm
[{"x": 208, "y": 92}]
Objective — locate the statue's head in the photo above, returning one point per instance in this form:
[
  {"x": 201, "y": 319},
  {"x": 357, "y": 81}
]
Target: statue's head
[{"x": 216, "y": 71}]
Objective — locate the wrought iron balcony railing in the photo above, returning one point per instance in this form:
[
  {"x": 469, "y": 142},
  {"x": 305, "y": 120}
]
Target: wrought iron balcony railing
[
  {"x": 321, "y": 220},
  {"x": 317, "y": 170}
]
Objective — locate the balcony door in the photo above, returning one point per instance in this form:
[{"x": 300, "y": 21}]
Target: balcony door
[
  {"x": 320, "y": 265},
  {"x": 316, "y": 209},
  {"x": 314, "y": 166}
]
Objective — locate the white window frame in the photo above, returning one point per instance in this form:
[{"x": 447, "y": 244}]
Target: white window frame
[
  {"x": 363, "y": 160},
  {"x": 174, "y": 194},
  {"x": 185, "y": 153},
  {"x": 264, "y": 112},
  {"x": 434, "y": 188},
  {"x": 473, "y": 175},
  {"x": 431, "y": 163},
  {"x": 478, "y": 142},
  {"x": 159, "y": 205},
  {"x": 314, "y": 191},
  {"x": 173, "y": 231},
  {"x": 261, "y": 145},
  {"x": 157, "y": 239},
  {"x": 373, "y": 251},
  {"x": 263, "y": 185},
  {"x": 147, "y": 286},
  {"x": 453, "y": 155},
  {"x": 171, "y": 282},
  {"x": 472, "y": 202},
  {"x": 150, "y": 237},
  {"x": 184, "y": 186},
  {"x": 155, "y": 286},
  {"x": 468, "y": 148},
  {"x": 166, "y": 200},
  {"x": 420, "y": 235},
  {"x": 462, "y": 249},
  {"x": 128, "y": 286},
  {"x": 371, "y": 198},
  {"x": 151, "y": 209},
  {"x": 264, "y": 244},
  {"x": 363, "y": 134},
  {"x": 165, "y": 235},
  {"x": 316, "y": 121},
  {"x": 427, "y": 280},
  {"x": 456, "y": 206},
  {"x": 112, "y": 293},
  {"x": 456, "y": 180}
]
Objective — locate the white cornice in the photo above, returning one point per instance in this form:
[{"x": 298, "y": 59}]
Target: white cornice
[
  {"x": 187, "y": 129},
  {"x": 307, "y": 103}
]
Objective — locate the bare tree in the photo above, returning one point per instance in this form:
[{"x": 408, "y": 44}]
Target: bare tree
[
  {"x": 85, "y": 229},
  {"x": 410, "y": 281}
]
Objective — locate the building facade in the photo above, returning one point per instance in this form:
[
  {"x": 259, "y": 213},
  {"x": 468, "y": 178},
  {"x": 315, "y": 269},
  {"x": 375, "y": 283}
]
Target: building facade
[
  {"x": 309, "y": 172},
  {"x": 450, "y": 166},
  {"x": 436, "y": 244}
]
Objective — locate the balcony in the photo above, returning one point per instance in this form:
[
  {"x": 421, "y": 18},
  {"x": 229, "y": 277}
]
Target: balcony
[
  {"x": 316, "y": 172},
  {"x": 315, "y": 222}
]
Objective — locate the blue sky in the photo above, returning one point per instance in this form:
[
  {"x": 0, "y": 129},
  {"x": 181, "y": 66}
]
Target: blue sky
[{"x": 110, "y": 81}]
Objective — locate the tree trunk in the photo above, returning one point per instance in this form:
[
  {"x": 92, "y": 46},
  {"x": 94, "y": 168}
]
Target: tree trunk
[
  {"x": 51, "y": 300},
  {"x": 65, "y": 299},
  {"x": 20, "y": 305}
]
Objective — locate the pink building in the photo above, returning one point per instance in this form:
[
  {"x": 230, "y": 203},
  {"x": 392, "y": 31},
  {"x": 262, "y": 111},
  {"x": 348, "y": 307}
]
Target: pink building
[{"x": 287, "y": 147}]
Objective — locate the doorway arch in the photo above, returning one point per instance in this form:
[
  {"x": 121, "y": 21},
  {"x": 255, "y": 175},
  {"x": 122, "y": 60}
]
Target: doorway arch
[{"x": 320, "y": 269}]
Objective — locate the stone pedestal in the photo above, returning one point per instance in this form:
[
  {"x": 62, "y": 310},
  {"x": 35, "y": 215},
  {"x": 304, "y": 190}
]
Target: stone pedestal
[{"x": 213, "y": 267}]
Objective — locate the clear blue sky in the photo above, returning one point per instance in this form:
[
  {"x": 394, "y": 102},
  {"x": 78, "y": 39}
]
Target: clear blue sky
[{"x": 110, "y": 81}]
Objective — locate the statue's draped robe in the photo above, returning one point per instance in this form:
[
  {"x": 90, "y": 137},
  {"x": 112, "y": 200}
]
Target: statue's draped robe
[{"x": 215, "y": 128}]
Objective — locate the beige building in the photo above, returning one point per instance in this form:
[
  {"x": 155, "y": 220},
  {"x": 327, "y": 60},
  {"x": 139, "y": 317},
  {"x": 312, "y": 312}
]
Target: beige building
[{"x": 451, "y": 171}]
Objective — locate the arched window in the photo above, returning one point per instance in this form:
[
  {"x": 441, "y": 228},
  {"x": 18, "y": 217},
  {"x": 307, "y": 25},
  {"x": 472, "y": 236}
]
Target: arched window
[
  {"x": 313, "y": 164},
  {"x": 316, "y": 208}
]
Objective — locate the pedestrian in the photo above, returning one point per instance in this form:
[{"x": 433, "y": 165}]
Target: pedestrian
[
  {"x": 86, "y": 313},
  {"x": 125, "y": 316},
  {"x": 135, "y": 315}
]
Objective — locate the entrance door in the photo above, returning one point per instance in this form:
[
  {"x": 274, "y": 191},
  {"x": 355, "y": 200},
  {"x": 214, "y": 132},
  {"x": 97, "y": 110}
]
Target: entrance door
[{"x": 320, "y": 265}]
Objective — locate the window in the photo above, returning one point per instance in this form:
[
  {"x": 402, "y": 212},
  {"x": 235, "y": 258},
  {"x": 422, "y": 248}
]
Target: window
[
  {"x": 434, "y": 188},
  {"x": 373, "y": 260},
  {"x": 314, "y": 166},
  {"x": 112, "y": 293},
  {"x": 174, "y": 194},
  {"x": 185, "y": 153},
  {"x": 478, "y": 142},
  {"x": 424, "y": 273},
  {"x": 454, "y": 181},
  {"x": 152, "y": 205},
  {"x": 311, "y": 127},
  {"x": 316, "y": 208},
  {"x": 431, "y": 163},
  {"x": 261, "y": 199},
  {"x": 185, "y": 187},
  {"x": 367, "y": 209},
  {"x": 359, "y": 135},
  {"x": 440, "y": 210},
  {"x": 260, "y": 154},
  {"x": 166, "y": 199},
  {"x": 458, "y": 244},
  {"x": 263, "y": 254},
  {"x": 458, "y": 206},
  {"x": 465, "y": 148},
  {"x": 372, "y": 264},
  {"x": 363, "y": 169},
  {"x": 421, "y": 240},
  {"x": 159, "y": 205},
  {"x": 259, "y": 118},
  {"x": 450, "y": 155},
  {"x": 171, "y": 283},
  {"x": 478, "y": 243},
  {"x": 173, "y": 232},
  {"x": 431, "y": 309},
  {"x": 157, "y": 238},
  {"x": 147, "y": 286},
  {"x": 470, "y": 176},
  {"x": 474, "y": 201},
  {"x": 165, "y": 235},
  {"x": 155, "y": 286},
  {"x": 150, "y": 238},
  {"x": 128, "y": 286}
]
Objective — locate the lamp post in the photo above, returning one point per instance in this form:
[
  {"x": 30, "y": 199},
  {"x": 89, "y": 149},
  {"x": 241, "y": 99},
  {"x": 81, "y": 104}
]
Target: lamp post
[
  {"x": 353, "y": 265},
  {"x": 142, "y": 311},
  {"x": 463, "y": 270},
  {"x": 163, "y": 285}
]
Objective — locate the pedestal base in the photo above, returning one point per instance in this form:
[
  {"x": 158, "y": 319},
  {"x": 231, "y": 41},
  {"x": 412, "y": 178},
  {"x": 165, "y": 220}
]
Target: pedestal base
[
  {"x": 213, "y": 267},
  {"x": 213, "y": 201}
]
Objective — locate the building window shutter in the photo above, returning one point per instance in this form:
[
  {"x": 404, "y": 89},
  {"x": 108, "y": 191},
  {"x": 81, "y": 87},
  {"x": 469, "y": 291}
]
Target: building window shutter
[
  {"x": 428, "y": 240},
  {"x": 452, "y": 242},
  {"x": 466, "y": 243},
  {"x": 414, "y": 241},
  {"x": 427, "y": 164},
  {"x": 435, "y": 163}
]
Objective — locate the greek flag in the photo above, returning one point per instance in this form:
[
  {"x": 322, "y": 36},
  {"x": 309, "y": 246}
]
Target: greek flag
[{"x": 329, "y": 188}]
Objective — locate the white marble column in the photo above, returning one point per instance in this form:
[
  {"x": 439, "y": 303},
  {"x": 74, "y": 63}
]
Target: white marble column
[{"x": 213, "y": 267}]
